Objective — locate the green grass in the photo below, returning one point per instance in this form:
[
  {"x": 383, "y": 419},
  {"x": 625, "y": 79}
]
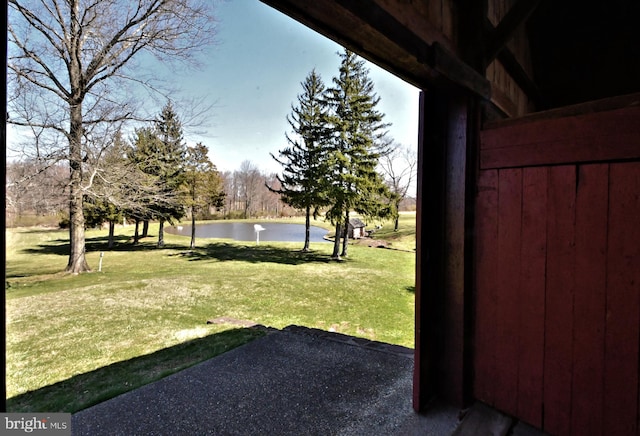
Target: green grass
[
  {"x": 402, "y": 239},
  {"x": 75, "y": 340}
]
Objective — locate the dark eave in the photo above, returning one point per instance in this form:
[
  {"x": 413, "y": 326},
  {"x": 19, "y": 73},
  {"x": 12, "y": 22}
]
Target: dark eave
[
  {"x": 579, "y": 50},
  {"x": 422, "y": 60}
]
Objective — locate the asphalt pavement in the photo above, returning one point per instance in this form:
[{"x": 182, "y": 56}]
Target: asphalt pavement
[{"x": 296, "y": 381}]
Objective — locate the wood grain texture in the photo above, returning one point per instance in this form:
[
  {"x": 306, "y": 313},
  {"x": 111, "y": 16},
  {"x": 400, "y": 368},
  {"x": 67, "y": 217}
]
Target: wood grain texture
[
  {"x": 581, "y": 138},
  {"x": 622, "y": 335},
  {"x": 589, "y": 298},
  {"x": 531, "y": 310}
]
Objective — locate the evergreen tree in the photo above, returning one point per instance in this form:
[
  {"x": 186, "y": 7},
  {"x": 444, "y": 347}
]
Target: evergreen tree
[
  {"x": 203, "y": 184},
  {"x": 160, "y": 152},
  {"x": 302, "y": 183},
  {"x": 357, "y": 129},
  {"x": 171, "y": 169},
  {"x": 144, "y": 156}
]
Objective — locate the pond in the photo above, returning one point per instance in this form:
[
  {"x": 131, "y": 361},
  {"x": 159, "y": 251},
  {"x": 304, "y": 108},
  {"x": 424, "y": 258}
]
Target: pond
[{"x": 243, "y": 231}]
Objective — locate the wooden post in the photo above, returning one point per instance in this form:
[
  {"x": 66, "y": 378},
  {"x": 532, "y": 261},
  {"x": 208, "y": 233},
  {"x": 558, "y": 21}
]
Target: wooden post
[{"x": 443, "y": 252}]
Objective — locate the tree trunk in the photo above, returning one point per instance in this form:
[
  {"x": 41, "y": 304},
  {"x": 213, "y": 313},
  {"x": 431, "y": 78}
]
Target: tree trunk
[
  {"x": 193, "y": 228},
  {"x": 145, "y": 228},
  {"x": 112, "y": 228},
  {"x": 307, "y": 227},
  {"x": 136, "y": 234},
  {"x": 345, "y": 235},
  {"x": 77, "y": 261},
  {"x": 161, "y": 234},
  {"x": 336, "y": 243}
]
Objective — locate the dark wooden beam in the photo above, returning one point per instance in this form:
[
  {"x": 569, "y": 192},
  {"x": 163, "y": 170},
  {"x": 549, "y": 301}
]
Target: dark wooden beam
[
  {"x": 521, "y": 77},
  {"x": 387, "y": 25},
  {"x": 582, "y": 138},
  {"x": 436, "y": 56},
  {"x": 445, "y": 152},
  {"x": 516, "y": 71},
  {"x": 471, "y": 33},
  {"x": 458, "y": 72},
  {"x": 500, "y": 36},
  {"x": 378, "y": 36}
]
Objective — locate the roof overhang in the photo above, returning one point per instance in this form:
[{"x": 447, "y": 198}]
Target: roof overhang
[{"x": 394, "y": 35}]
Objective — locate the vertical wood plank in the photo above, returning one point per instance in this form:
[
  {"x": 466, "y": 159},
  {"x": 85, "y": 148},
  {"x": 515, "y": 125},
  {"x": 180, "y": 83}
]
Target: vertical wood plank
[
  {"x": 623, "y": 301},
  {"x": 532, "y": 294},
  {"x": 427, "y": 199},
  {"x": 486, "y": 272},
  {"x": 453, "y": 298},
  {"x": 508, "y": 287},
  {"x": 589, "y": 299},
  {"x": 559, "y": 299},
  {"x": 441, "y": 349}
]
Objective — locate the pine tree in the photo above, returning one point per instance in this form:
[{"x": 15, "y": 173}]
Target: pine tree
[
  {"x": 170, "y": 159},
  {"x": 145, "y": 148},
  {"x": 160, "y": 152},
  {"x": 357, "y": 129},
  {"x": 203, "y": 184},
  {"x": 304, "y": 166}
]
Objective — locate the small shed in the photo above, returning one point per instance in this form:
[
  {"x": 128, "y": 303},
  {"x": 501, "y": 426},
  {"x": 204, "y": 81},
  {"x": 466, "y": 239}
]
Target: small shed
[{"x": 356, "y": 228}]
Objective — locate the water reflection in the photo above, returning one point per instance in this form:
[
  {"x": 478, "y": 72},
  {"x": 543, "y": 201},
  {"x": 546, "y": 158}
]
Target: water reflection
[{"x": 243, "y": 231}]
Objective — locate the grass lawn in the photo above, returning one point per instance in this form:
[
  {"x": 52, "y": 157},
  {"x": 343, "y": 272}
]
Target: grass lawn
[{"x": 75, "y": 340}]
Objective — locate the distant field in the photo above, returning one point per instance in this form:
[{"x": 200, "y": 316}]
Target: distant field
[{"x": 77, "y": 340}]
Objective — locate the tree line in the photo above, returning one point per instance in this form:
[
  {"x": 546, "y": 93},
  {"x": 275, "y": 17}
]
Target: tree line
[
  {"x": 74, "y": 82},
  {"x": 151, "y": 176}
]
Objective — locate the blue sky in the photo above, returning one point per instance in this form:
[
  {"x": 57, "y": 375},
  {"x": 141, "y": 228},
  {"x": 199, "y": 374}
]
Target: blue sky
[{"x": 254, "y": 74}]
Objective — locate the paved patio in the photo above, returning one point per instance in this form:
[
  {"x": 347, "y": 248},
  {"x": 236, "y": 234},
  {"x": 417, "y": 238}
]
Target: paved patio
[{"x": 296, "y": 381}]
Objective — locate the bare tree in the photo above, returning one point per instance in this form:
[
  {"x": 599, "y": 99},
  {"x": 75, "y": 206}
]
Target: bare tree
[
  {"x": 272, "y": 201},
  {"x": 74, "y": 66},
  {"x": 250, "y": 184},
  {"x": 35, "y": 190},
  {"x": 399, "y": 170},
  {"x": 230, "y": 193}
]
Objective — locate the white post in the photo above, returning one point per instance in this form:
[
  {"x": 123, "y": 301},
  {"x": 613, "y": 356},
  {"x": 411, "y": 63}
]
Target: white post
[
  {"x": 100, "y": 263},
  {"x": 258, "y": 228}
]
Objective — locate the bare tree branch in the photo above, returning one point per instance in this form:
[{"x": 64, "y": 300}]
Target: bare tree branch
[{"x": 74, "y": 69}]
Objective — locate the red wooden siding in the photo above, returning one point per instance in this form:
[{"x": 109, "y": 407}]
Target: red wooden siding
[
  {"x": 559, "y": 298},
  {"x": 582, "y": 138},
  {"x": 508, "y": 259},
  {"x": 533, "y": 256},
  {"x": 485, "y": 364},
  {"x": 623, "y": 287},
  {"x": 589, "y": 299},
  {"x": 557, "y": 280}
]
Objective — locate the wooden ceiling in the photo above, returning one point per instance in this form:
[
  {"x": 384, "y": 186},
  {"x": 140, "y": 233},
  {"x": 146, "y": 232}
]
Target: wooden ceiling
[
  {"x": 584, "y": 50},
  {"x": 578, "y": 50}
]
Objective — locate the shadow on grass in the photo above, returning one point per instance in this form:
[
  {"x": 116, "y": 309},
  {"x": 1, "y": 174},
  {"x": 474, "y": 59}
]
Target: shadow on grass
[
  {"x": 220, "y": 251},
  {"x": 223, "y": 251},
  {"x": 85, "y": 390},
  {"x": 121, "y": 243}
]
